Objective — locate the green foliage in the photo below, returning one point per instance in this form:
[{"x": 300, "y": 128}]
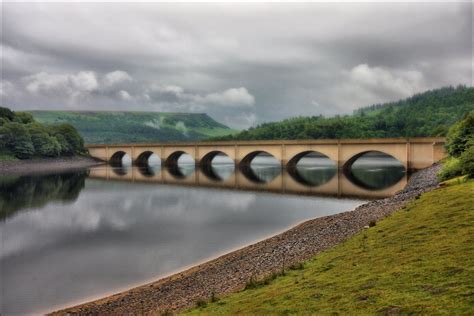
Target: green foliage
[
  {"x": 23, "y": 117},
  {"x": 467, "y": 160},
  {"x": 6, "y": 114},
  {"x": 427, "y": 114},
  {"x": 416, "y": 261},
  {"x": 459, "y": 134},
  {"x": 460, "y": 146},
  {"x": 135, "y": 127},
  {"x": 74, "y": 141},
  {"x": 45, "y": 145},
  {"x": 452, "y": 167},
  {"x": 18, "y": 140},
  {"x": 24, "y": 138}
]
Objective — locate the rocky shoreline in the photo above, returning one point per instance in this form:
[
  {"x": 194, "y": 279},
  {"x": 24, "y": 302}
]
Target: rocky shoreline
[
  {"x": 46, "y": 165},
  {"x": 232, "y": 271}
]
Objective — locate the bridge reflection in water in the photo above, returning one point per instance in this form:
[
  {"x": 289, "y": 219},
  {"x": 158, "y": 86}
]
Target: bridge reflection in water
[{"x": 364, "y": 182}]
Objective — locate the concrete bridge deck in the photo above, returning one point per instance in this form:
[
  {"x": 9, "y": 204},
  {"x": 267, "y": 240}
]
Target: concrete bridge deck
[{"x": 413, "y": 153}]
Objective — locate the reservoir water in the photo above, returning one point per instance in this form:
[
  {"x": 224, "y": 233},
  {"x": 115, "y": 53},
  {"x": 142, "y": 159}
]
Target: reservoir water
[{"x": 71, "y": 237}]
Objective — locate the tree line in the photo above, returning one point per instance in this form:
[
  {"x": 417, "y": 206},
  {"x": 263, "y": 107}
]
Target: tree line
[
  {"x": 22, "y": 137},
  {"x": 426, "y": 114}
]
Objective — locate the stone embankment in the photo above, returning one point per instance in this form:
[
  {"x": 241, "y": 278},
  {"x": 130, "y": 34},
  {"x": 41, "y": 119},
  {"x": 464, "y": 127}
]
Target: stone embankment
[
  {"x": 42, "y": 166},
  {"x": 231, "y": 272}
]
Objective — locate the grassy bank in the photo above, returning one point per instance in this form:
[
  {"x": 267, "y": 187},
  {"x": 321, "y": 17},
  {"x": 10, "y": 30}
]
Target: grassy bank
[{"x": 418, "y": 260}]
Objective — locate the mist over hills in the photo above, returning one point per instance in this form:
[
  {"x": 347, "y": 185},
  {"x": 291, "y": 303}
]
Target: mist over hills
[{"x": 136, "y": 127}]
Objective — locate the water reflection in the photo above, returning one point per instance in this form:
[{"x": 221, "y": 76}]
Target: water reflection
[
  {"x": 375, "y": 171},
  {"x": 26, "y": 192},
  {"x": 366, "y": 180}
]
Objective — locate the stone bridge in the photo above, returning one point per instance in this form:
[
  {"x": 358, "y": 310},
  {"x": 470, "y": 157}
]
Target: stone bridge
[{"x": 413, "y": 153}]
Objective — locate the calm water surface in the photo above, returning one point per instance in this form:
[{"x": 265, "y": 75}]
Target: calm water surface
[{"x": 67, "y": 238}]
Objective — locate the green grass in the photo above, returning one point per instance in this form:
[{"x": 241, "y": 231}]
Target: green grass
[{"x": 419, "y": 260}]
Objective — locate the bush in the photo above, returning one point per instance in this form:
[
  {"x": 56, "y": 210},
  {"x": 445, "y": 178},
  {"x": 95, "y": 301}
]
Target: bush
[
  {"x": 15, "y": 137},
  {"x": 459, "y": 134},
  {"x": 451, "y": 168},
  {"x": 74, "y": 141},
  {"x": 467, "y": 160},
  {"x": 24, "y": 117},
  {"x": 6, "y": 113}
]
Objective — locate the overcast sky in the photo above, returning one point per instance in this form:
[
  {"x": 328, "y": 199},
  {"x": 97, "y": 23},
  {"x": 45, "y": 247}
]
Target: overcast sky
[{"x": 241, "y": 63}]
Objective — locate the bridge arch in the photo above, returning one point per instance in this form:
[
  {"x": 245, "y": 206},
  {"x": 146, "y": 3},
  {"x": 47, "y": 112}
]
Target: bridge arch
[
  {"x": 246, "y": 161},
  {"x": 207, "y": 158},
  {"x": 348, "y": 164},
  {"x": 173, "y": 158},
  {"x": 256, "y": 175},
  {"x": 116, "y": 158},
  {"x": 142, "y": 159},
  {"x": 296, "y": 158},
  {"x": 308, "y": 175},
  {"x": 207, "y": 168},
  {"x": 375, "y": 178}
]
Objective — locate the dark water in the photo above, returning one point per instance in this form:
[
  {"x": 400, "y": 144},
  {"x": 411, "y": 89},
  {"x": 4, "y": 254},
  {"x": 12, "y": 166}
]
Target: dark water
[{"x": 71, "y": 237}]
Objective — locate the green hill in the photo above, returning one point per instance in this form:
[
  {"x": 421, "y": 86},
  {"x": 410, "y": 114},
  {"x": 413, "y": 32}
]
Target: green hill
[
  {"x": 426, "y": 114},
  {"x": 136, "y": 127}
]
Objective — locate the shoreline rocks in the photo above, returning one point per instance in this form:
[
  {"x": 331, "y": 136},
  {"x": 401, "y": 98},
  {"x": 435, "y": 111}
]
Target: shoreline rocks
[
  {"x": 46, "y": 165},
  {"x": 230, "y": 272}
]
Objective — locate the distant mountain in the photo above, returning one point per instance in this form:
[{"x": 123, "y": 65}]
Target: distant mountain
[
  {"x": 136, "y": 127},
  {"x": 425, "y": 114}
]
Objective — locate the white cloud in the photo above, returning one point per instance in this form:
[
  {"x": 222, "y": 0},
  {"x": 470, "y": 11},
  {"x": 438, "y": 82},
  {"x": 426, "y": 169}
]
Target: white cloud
[
  {"x": 399, "y": 82},
  {"x": 115, "y": 77},
  {"x": 44, "y": 82},
  {"x": 124, "y": 95},
  {"x": 231, "y": 97},
  {"x": 364, "y": 85},
  {"x": 167, "y": 89},
  {"x": 84, "y": 81}
]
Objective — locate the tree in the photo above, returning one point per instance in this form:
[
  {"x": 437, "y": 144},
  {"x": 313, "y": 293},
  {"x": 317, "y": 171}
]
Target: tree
[
  {"x": 467, "y": 159},
  {"x": 24, "y": 117},
  {"x": 70, "y": 136},
  {"x": 18, "y": 140},
  {"x": 44, "y": 144},
  {"x": 6, "y": 113},
  {"x": 459, "y": 134}
]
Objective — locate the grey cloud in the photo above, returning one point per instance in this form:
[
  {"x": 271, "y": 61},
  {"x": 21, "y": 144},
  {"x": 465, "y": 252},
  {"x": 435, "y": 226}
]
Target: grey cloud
[{"x": 241, "y": 63}]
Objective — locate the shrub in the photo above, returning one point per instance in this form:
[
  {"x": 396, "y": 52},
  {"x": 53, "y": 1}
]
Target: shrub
[
  {"x": 6, "y": 113},
  {"x": 467, "y": 161},
  {"x": 24, "y": 117},
  {"x": 67, "y": 134},
  {"x": 459, "y": 134},
  {"x": 451, "y": 168}
]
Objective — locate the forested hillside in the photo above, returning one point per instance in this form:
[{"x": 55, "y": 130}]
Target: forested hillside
[
  {"x": 22, "y": 137},
  {"x": 427, "y": 114},
  {"x": 135, "y": 127}
]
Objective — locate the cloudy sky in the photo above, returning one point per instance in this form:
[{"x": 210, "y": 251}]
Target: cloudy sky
[{"x": 241, "y": 63}]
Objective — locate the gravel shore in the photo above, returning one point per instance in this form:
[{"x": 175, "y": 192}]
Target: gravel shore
[
  {"x": 42, "y": 166},
  {"x": 230, "y": 272}
]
